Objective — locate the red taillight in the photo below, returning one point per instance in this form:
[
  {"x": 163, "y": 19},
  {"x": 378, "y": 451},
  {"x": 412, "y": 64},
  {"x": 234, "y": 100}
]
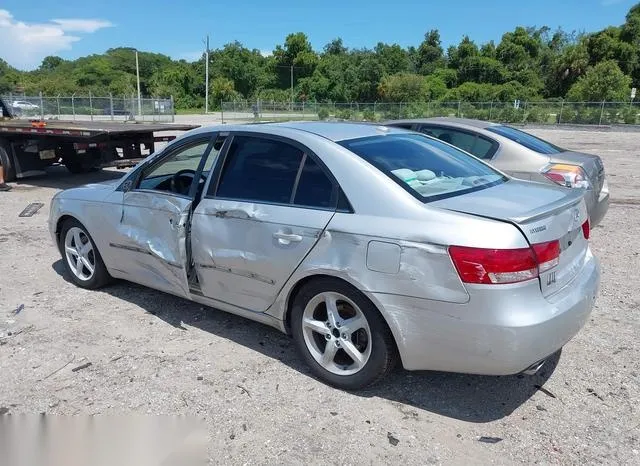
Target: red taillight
[
  {"x": 493, "y": 266},
  {"x": 556, "y": 178},
  {"x": 586, "y": 229},
  {"x": 570, "y": 176},
  {"x": 548, "y": 254}
]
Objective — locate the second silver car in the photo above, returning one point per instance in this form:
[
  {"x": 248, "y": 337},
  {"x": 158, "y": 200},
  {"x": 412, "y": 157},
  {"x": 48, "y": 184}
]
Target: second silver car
[{"x": 523, "y": 156}]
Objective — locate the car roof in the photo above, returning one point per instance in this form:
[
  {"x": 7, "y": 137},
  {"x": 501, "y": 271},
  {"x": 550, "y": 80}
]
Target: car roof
[
  {"x": 339, "y": 130},
  {"x": 334, "y": 131},
  {"x": 451, "y": 121}
]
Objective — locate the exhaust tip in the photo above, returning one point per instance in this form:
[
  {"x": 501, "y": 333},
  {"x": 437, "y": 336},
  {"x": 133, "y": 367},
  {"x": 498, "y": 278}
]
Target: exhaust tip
[{"x": 534, "y": 368}]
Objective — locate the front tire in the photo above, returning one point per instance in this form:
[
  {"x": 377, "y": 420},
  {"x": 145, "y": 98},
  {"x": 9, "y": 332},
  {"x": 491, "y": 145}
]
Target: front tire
[
  {"x": 80, "y": 256},
  {"x": 341, "y": 335}
]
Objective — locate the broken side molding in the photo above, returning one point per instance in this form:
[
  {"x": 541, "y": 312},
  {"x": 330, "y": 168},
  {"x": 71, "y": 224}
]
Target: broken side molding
[{"x": 144, "y": 251}]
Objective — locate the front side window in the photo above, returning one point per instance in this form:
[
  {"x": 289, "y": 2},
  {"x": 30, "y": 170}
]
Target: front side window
[
  {"x": 177, "y": 171},
  {"x": 426, "y": 168},
  {"x": 527, "y": 140},
  {"x": 259, "y": 169}
]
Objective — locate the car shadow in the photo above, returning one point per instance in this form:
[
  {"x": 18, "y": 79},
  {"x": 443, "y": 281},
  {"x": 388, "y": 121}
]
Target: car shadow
[
  {"x": 58, "y": 177},
  {"x": 471, "y": 398}
]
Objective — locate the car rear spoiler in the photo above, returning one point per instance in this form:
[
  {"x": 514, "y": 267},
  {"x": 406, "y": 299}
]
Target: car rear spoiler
[{"x": 573, "y": 197}]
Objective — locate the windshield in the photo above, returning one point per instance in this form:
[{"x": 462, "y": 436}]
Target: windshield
[
  {"x": 427, "y": 168},
  {"x": 527, "y": 140}
]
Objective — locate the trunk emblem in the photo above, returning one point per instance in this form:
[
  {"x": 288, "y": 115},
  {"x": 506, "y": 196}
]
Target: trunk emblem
[
  {"x": 538, "y": 229},
  {"x": 551, "y": 278}
]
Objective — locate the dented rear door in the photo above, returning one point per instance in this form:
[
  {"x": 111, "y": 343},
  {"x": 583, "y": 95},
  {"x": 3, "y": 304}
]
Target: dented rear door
[{"x": 261, "y": 216}]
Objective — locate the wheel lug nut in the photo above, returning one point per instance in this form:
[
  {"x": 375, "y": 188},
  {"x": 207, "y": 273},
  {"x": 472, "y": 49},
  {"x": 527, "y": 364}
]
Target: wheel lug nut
[
  {"x": 344, "y": 336},
  {"x": 338, "y": 343},
  {"x": 338, "y": 324},
  {"x": 328, "y": 324},
  {"x": 327, "y": 336}
]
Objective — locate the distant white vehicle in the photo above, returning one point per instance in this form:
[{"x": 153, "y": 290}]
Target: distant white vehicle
[{"x": 24, "y": 105}]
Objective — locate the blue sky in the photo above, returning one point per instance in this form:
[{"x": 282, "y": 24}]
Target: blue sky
[{"x": 32, "y": 29}]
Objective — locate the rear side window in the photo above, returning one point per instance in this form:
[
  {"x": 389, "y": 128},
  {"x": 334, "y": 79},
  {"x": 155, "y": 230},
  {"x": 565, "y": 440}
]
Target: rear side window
[
  {"x": 258, "y": 169},
  {"x": 474, "y": 144},
  {"x": 426, "y": 168},
  {"x": 527, "y": 140},
  {"x": 314, "y": 188}
]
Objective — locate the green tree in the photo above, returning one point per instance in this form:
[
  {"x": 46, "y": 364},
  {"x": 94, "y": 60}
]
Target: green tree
[
  {"x": 335, "y": 47},
  {"x": 403, "y": 87},
  {"x": 9, "y": 77},
  {"x": 296, "y": 52},
  {"x": 604, "y": 81},
  {"x": 246, "y": 68},
  {"x": 481, "y": 69},
  {"x": 429, "y": 55},
  {"x": 565, "y": 69},
  {"x": 465, "y": 49},
  {"x": 50, "y": 63},
  {"x": 222, "y": 90},
  {"x": 394, "y": 59}
]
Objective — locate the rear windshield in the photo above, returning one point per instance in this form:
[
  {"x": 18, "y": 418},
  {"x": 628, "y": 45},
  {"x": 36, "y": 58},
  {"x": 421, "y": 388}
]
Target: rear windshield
[
  {"x": 426, "y": 168},
  {"x": 526, "y": 139}
]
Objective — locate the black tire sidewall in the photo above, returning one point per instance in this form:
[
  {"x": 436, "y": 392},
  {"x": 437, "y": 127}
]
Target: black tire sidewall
[
  {"x": 100, "y": 275},
  {"x": 6, "y": 162},
  {"x": 382, "y": 358}
]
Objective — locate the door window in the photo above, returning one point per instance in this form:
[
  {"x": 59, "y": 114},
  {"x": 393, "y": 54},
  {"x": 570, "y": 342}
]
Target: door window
[
  {"x": 477, "y": 145},
  {"x": 259, "y": 169},
  {"x": 314, "y": 189},
  {"x": 176, "y": 173}
]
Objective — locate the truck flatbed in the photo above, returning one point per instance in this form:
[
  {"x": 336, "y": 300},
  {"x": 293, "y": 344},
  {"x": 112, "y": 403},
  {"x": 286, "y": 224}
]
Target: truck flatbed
[
  {"x": 85, "y": 129},
  {"x": 28, "y": 146}
]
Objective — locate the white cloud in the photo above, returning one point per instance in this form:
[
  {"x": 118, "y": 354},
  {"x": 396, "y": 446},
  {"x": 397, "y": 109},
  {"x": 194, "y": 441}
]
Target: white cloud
[
  {"x": 24, "y": 45},
  {"x": 266, "y": 53},
  {"x": 82, "y": 25}
]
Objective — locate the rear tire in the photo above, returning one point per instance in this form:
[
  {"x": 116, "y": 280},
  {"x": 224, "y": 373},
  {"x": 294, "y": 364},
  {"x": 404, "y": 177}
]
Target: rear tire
[
  {"x": 82, "y": 260},
  {"x": 341, "y": 335}
]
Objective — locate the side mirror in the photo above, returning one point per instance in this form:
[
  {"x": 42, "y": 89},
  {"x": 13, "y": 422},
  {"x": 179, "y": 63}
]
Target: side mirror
[{"x": 127, "y": 185}]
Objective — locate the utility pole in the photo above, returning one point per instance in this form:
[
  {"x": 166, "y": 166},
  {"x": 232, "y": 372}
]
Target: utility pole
[
  {"x": 291, "y": 88},
  {"x": 138, "y": 79},
  {"x": 206, "y": 79}
]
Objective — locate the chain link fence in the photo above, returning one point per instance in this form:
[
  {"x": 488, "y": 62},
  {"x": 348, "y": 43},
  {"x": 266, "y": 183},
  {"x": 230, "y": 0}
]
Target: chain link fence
[
  {"x": 93, "y": 108},
  {"x": 542, "y": 112}
]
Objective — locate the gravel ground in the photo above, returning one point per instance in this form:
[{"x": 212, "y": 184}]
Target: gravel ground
[{"x": 152, "y": 353}]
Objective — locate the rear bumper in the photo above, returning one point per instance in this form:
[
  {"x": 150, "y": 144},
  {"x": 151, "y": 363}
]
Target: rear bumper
[
  {"x": 499, "y": 332},
  {"x": 598, "y": 207}
]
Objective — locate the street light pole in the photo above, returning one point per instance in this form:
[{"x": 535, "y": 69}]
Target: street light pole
[
  {"x": 138, "y": 79},
  {"x": 291, "y": 88},
  {"x": 206, "y": 79}
]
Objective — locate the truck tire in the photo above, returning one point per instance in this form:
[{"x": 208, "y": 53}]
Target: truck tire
[
  {"x": 81, "y": 163},
  {"x": 79, "y": 166},
  {"x": 6, "y": 160}
]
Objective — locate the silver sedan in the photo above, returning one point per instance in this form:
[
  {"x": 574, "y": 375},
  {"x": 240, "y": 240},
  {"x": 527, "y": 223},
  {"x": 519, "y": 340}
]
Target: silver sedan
[
  {"x": 368, "y": 244},
  {"x": 523, "y": 156}
]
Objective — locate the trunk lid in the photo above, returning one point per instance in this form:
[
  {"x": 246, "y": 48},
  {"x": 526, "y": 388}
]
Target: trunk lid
[{"x": 543, "y": 213}]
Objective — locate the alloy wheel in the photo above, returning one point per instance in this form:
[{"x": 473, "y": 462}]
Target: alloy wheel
[{"x": 336, "y": 333}]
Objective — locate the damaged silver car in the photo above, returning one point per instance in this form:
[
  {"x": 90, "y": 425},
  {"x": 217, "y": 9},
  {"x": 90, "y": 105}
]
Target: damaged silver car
[{"x": 368, "y": 244}]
